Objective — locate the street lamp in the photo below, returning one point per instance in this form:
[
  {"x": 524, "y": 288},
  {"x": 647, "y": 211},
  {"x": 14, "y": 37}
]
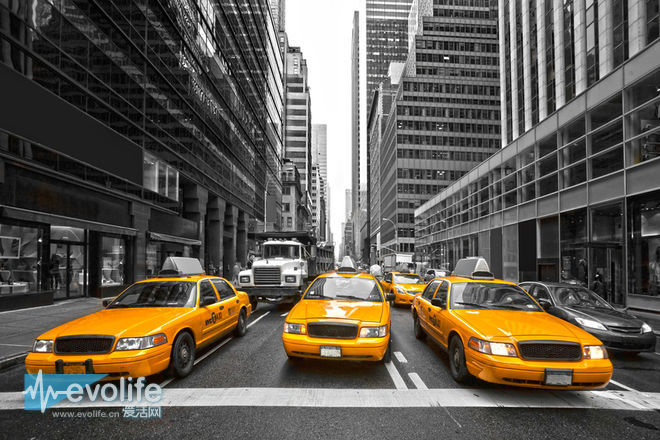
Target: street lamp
[{"x": 396, "y": 233}]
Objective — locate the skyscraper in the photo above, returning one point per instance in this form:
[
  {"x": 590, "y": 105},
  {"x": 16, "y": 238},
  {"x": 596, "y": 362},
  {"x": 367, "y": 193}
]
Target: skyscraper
[
  {"x": 355, "y": 127},
  {"x": 320, "y": 148},
  {"x": 387, "y": 39}
]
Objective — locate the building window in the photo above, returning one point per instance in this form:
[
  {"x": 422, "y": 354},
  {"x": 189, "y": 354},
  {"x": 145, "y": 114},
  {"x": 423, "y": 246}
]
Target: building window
[
  {"x": 21, "y": 254},
  {"x": 574, "y": 266},
  {"x": 569, "y": 51},
  {"x": 620, "y": 31},
  {"x": 550, "y": 56},
  {"x": 160, "y": 177},
  {"x": 644, "y": 245},
  {"x": 652, "y": 20},
  {"x": 592, "y": 42},
  {"x": 113, "y": 251},
  {"x": 606, "y": 252}
]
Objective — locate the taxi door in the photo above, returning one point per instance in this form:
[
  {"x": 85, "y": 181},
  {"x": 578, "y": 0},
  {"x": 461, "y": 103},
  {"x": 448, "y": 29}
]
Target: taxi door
[
  {"x": 386, "y": 284},
  {"x": 438, "y": 313},
  {"x": 424, "y": 304},
  {"x": 210, "y": 308},
  {"x": 229, "y": 303}
]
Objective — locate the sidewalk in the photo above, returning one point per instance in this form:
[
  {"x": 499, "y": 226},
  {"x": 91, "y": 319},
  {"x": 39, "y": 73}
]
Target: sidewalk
[{"x": 19, "y": 328}]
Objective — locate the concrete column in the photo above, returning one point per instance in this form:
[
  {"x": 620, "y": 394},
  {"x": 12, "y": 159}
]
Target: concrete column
[
  {"x": 242, "y": 238},
  {"x": 229, "y": 240},
  {"x": 214, "y": 233},
  {"x": 541, "y": 59},
  {"x": 140, "y": 215},
  {"x": 513, "y": 66},
  {"x": 605, "y": 38},
  {"x": 580, "y": 37},
  {"x": 195, "y": 199},
  {"x": 527, "y": 65},
  {"x": 636, "y": 27},
  {"x": 503, "y": 67}
]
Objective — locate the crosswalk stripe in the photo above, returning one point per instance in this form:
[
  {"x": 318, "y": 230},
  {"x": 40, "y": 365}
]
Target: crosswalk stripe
[
  {"x": 375, "y": 398},
  {"x": 399, "y": 357},
  {"x": 396, "y": 377},
  {"x": 620, "y": 385},
  {"x": 419, "y": 383}
]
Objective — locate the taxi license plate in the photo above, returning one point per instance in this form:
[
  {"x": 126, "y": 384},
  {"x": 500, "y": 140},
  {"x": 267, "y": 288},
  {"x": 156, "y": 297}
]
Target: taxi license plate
[
  {"x": 330, "y": 351},
  {"x": 74, "y": 369},
  {"x": 558, "y": 377}
]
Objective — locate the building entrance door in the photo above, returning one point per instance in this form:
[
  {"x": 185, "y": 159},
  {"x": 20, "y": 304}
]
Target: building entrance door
[
  {"x": 606, "y": 273},
  {"x": 67, "y": 275}
]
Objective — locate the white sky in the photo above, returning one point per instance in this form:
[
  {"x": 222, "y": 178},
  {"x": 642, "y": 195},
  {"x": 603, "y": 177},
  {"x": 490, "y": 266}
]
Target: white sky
[{"x": 322, "y": 29}]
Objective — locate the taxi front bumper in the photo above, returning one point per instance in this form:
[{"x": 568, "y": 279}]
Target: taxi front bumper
[
  {"x": 358, "y": 349},
  {"x": 403, "y": 299},
  {"x": 116, "y": 364},
  {"x": 587, "y": 373}
]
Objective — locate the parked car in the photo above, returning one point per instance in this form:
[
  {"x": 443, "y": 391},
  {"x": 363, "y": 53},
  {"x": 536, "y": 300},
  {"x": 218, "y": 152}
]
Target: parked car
[
  {"x": 580, "y": 306},
  {"x": 435, "y": 273}
]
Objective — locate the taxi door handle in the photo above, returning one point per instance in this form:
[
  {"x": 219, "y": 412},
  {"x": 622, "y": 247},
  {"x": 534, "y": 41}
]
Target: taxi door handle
[
  {"x": 428, "y": 308},
  {"x": 222, "y": 307},
  {"x": 236, "y": 301}
]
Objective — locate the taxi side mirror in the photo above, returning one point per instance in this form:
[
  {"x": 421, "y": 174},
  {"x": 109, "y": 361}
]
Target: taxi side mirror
[
  {"x": 388, "y": 278},
  {"x": 545, "y": 304},
  {"x": 437, "y": 302},
  {"x": 206, "y": 301},
  {"x": 390, "y": 297},
  {"x": 106, "y": 302}
]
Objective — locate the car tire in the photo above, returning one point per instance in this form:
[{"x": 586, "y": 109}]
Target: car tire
[
  {"x": 182, "y": 359},
  {"x": 241, "y": 326},
  {"x": 387, "y": 357},
  {"x": 457, "y": 366},
  {"x": 417, "y": 328}
]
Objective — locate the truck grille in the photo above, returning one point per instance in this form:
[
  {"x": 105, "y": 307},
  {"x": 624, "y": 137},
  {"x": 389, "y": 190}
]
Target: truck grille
[
  {"x": 267, "y": 275},
  {"x": 83, "y": 344},
  {"x": 550, "y": 350},
  {"x": 335, "y": 330}
]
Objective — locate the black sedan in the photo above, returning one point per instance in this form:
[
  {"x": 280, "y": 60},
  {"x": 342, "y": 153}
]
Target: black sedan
[{"x": 618, "y": 330}]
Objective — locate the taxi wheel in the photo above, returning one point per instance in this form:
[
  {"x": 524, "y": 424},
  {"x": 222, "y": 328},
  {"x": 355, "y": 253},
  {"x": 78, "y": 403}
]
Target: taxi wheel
[
  {"x": 457, "y": 365},
  {"x": 417, "y": 328},
  {"x": 387, "y": 358},
  {"x": 183, "y": 355},
  {"x": 241, "y": 327}
]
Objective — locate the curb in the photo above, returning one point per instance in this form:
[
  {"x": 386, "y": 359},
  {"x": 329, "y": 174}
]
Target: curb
[{"x": 12, "y": 360}]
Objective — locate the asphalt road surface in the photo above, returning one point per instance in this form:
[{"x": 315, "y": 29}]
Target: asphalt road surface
[{"x": 247, "y": 388}]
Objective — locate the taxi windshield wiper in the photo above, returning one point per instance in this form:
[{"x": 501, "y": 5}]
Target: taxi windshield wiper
[
  {"x": 356, "y": 298},
  {"x": 481, "y": 306}
]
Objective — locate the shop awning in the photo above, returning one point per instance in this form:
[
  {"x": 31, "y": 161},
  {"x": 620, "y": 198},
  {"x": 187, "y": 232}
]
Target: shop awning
[
  {"x": 174, "y": 239},
  {"x": 60, "y": 220}
]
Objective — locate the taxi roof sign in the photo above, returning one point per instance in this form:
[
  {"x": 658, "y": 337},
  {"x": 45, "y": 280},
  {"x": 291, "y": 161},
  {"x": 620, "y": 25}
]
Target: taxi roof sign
[
  {"x": 347, "y": 265},
  {"x": 473, "y": 267},
  {"x": 181, "y": 267}
]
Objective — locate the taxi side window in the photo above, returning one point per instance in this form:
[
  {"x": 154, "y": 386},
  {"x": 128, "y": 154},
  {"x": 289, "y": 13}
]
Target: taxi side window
[
  {"x": 224, "y": 290},
  {"x": 430, "y": 290},
  {"x": 442, "y": 291},
  {"x": 206, "y": 291},
  {"x": 541, "y": 292}
]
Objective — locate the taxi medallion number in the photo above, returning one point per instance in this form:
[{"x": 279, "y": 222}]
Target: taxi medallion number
[
  {"x": 558, "y": 377},
  {"x": 330, "y": 351}
]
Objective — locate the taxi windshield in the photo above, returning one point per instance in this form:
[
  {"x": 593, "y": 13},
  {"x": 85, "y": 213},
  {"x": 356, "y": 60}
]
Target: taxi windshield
[
  {"x": 491, "y": 296},
  {"x": 281, "y": 251},
  {"x": 344, "y": 289},
  {"x": 408, "y": 278},
  {"x": 578, "y": 297},
  {"x": 157, "y": 294}
]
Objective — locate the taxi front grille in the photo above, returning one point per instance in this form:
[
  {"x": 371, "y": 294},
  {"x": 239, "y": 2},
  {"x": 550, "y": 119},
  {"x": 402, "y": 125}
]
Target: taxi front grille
[
  {"x": 83, "y": 344},
  {"x": 550, "y": 350},
  {"x": 335, "y": 330},
  {"x": 267, "y": 276}
]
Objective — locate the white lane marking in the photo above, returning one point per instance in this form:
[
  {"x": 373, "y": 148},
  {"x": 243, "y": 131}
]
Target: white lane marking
[
  {"x": 400, "y": 357},
  {"x": 419, "y": 383},
  {"x": 257, "y": 320},
  {"x": 284, "y": 314},
  {"x": 656, "y": 353},
  {"x": 166, "y": 382},
  {"x": 375, "y": 398},
  {"x": 16, "y": 345},
  {"x": 625, "y": 387},
  {"x": 452, "y": 417},
  {"x": 396, "y": 377}
]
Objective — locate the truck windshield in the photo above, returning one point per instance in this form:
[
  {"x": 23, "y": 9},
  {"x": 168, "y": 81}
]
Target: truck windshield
[
  {"x": 281, "y": 251},
  {"x": 344, "y": 289}
]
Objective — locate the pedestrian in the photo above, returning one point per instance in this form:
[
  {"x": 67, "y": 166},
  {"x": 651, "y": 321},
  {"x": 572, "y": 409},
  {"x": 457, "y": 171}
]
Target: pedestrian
[
  {"x": 236, "y": 272},
  {"x": 250, "y": 261},
  {"x": 598, "y": 286}
]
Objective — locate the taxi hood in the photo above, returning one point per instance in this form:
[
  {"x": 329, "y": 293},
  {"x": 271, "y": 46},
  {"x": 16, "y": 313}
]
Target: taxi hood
[
  {"x": 513, "y": 323},
  {"x": 413, "y": 287},
  {"x": 364, "y": 311},
  {"x": 121, "y": 323}
]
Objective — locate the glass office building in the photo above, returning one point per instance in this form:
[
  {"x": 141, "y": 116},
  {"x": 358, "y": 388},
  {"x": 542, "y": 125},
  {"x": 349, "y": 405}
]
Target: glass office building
[{"x": 131, "y": 131}]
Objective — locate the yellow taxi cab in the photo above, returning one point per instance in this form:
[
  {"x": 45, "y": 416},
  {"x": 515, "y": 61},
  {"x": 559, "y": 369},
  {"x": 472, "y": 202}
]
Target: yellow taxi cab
[
  {"x": 404, "y": 285},
  {"x": 493, "y": 330},
  {"x": 153, "y": 325},
  {"x": 342, "y": 315}
]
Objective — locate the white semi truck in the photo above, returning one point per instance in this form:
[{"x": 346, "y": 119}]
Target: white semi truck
[{"x": 289, "y": 262}]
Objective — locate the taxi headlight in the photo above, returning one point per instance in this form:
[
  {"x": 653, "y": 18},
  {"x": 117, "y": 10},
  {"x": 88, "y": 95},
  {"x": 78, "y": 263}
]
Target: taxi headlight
[
  {"x": 595, "y": 352},
  {"x": 244, "y": 279},
  {"x": 296, "y": 329},
  {"x": 373, "y": 332},
  {"x": 590, "y": 323},
  {"x": 496, "y": 348},
  {"x": 141, "y": 343},
  {"x": 289, "y": 278},
  {"x": 401, "y": 290},
  {"x": 646, "y": 328},
  {"x": 43, "y": 346}
]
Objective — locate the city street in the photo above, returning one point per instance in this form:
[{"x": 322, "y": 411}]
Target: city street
[{"x": 246, "y": 388}]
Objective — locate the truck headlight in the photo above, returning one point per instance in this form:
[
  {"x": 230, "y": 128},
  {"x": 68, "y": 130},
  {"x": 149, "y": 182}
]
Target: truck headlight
[
  {"x": 43, "y": 346},
  {"x": 296, "y": 329},
  {"x": 595, "y": 352},
  {"x": 590, "y": 323},
  {"x": 646, "y": 328},
  {"x": 141, "y": 343},
  {"x": 245, "y": 279},
  {"x": 289, "y": 278},
  {"x": 496, "y": 348},
  {"x": 373, "y": 332}
]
